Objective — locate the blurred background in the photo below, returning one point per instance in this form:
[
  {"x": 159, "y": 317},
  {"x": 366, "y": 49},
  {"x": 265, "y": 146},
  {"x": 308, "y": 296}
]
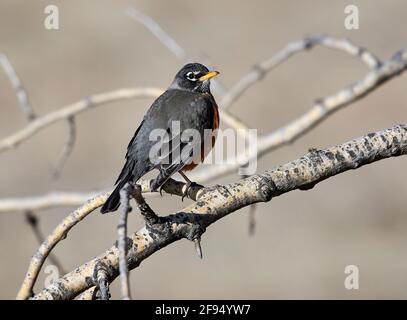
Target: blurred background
[{"x": 303, "y": 240}]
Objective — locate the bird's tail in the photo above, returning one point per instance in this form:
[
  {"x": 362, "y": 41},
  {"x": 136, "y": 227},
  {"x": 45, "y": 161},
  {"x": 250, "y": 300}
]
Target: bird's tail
[{"x": 113, "y": 202}]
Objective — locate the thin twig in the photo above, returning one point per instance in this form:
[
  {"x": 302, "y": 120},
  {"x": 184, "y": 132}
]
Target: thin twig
[
  {"x": 158, "y": 32},
  {"x": 125, "y": 194},
  {"x": 260, "y": 70},
  {"x": 70, "y": 199},
  {"x": 321, "y": 110},
  {"x": 168, "y": 42},
  {"x": 46, "y": 201},
  {"x": 73, "y": 109},
  {"x": 67, "y": 149},
  {"x": 18, "y": 87},
  {"x": 89, "y": 103},
  {"x": 219, "y": 201}
]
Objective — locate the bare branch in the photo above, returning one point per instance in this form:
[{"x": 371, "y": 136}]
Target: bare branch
[
  {"x": 260, "y": 70},
  {"x": 32, "y": 221},
  {"x": 102, "y": 279},
  {"x": 18, "y": 87},
  {"x": 125, "y": 194},
  {"x": 47, "y": 201},
  {"x": 168, "y": 41},
  {"x": 67, "y": 149},
  {"x": 158, "y": 32},
  {"x": 73, "y": 109},
  {"x": 149, "y": 215},
  {"x": 89, "y": 294},
  {"x": 86, "y": 104},
  {"x": 219, "y": 201},
  {"x": 60, "y": 232},
  {"x": 319, "y": 112},
  {"x": 70, "y": 199}
]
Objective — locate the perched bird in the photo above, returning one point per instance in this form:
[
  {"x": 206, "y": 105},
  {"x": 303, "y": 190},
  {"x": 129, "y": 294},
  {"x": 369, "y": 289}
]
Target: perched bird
[{"x": 186, "y": 106}]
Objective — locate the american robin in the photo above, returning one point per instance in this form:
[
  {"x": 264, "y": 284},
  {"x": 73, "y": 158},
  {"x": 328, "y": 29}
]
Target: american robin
[{"x": 187, "y": 106}]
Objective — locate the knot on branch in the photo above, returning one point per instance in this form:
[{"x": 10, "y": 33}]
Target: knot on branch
[
  {"x": 310, "y": 41},
  {"x": 260, "y": 71},
  {"x": 400, "y": 56},
  {"x": 194, "y": 231},
  {"x": 265, "y": 188}
]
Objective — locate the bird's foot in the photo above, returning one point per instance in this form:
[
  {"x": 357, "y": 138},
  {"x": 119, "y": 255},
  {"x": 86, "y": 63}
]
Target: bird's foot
[
  {"x": 160, "y": 190},
  {"x": 154, "y": 186},
  {"x": 188, "y": 188}
]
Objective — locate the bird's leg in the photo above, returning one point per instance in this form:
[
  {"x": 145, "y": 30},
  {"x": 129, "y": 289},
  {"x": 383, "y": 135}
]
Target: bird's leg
[
  {"x": 188, "y": 186},
  {"x": 160, "y": 189}
]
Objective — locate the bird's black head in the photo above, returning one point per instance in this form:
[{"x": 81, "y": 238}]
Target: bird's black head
[{"x": 193, "y": 77}]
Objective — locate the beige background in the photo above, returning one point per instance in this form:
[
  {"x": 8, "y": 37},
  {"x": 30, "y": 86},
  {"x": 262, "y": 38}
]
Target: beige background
[{"x": 304, "y": 240}]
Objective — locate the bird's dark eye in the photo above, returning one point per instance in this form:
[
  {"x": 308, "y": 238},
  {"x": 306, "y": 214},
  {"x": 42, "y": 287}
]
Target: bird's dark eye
[{"x": 191, "y": 76}]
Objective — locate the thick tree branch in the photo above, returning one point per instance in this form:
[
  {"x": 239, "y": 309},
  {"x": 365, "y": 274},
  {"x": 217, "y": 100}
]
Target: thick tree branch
[{"x": 219, "y": 201}]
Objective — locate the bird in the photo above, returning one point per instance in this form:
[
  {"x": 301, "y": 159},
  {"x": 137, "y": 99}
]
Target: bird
[{"x": 186, "y": 106}]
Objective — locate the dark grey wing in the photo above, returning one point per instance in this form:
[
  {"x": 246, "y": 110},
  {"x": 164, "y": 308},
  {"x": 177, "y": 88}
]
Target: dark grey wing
[
  {"x": 188, "y": 117},
  {"x": 176, "y": 155}
]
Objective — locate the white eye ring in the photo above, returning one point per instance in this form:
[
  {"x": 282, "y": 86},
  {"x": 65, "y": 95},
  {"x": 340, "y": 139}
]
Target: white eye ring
[{"x": 191, "y": 76}]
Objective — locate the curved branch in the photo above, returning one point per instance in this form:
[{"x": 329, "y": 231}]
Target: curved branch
[
  {"x": 321, "y": 110},
  {"x": 93, "y": 101},
  {"x": 260, "y": 70},
  {"x": 219, "y": 201},
  {"x": 168, "y": 41},
  {"x": 67, "y": 149},
  {"x": 96, "y": 100},
  {"x": 61, "y": 231}
]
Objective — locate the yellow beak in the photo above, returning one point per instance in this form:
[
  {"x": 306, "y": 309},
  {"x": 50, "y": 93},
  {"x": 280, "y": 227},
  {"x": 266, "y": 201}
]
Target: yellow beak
[{"x": 209, "y": 75}]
